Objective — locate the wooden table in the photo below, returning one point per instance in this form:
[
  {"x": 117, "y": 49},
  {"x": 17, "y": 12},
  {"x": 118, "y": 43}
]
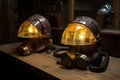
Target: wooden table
[{"x": 45, "y": 65}]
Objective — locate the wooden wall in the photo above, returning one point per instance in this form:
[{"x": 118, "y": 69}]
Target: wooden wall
[
  {"x": 117, "y": 14},
  {"x": 8, "y": 21}
]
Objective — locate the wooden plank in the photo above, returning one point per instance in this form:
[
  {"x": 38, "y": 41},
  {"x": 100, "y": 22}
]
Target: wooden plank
[
  {"x": 117, "y": 14},
  {"x": 47, "y": 63},
  {"x": 70, "y": 10},
  {"x": 12, "y": 20}
]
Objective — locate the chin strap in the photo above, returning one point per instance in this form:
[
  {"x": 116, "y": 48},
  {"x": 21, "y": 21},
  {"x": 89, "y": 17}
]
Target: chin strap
[
  {"x": 56, "y": 52},
  {"x": 103, "y": 66}
]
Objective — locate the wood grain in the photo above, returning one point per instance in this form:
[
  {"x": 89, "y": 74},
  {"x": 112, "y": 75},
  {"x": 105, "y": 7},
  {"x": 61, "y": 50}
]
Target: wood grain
[{"x": 47, "y": 63}]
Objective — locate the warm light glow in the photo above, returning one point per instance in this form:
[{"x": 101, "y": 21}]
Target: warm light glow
[
  {"x": 82, "y": 38},
  {"x": 27, "y": 30},
  {"x": 30, "y": 30},
  {"x": 79, "y": 27},
  {"x": 77, "y": 34}
]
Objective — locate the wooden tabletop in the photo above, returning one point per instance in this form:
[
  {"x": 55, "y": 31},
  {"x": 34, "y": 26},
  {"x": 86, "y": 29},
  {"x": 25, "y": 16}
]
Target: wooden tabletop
[{"x": 47, "y": 63}]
